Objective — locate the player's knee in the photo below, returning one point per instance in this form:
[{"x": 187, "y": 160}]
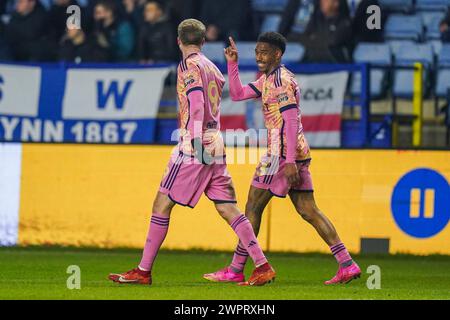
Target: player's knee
[
  {"x": 162, "y": 206},
  {"x": 227, "y": 211}
]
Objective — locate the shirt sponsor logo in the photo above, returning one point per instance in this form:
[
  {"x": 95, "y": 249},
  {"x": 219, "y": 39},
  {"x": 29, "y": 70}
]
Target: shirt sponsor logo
[
  {"x": 188, "y": 81},
  {"x": 211, "y": 125},
  {"x": 282, "y": 97}
]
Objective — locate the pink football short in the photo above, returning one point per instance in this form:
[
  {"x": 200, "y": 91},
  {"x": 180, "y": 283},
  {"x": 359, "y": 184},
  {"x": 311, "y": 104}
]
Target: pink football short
[
  {"x": 185, "y": 181},
  {"x": 269, "y": 175}
]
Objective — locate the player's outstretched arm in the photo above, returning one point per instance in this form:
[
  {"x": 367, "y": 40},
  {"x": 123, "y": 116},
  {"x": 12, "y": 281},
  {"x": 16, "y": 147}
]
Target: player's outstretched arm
[{"x": 238, "y": 92}]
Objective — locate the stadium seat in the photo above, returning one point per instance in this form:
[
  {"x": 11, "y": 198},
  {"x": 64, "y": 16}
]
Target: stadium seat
[
  {"x": 379, "y": 54},
  {"x": 444, "y": 56},
  {"x": 268, "y": 5},
  {"x": 214, "y": 51},
  {"x": 443, "y": 72},
  {"x": 437, "y": 45},
  {"x": 270, "y": 23},
  {"x": 407, "y": 55},
  {"x": 442, "y": 82},
  {"x": 397, "y": 5},
  {"x": 431, "y": 21},
  {"x": 416, "y": 52},
  {"x": 395, "y": 45},
  {"x": 407, "y": 27},
  {"x": 246, "y": 52},
  {"x": 434, "y": 5},
  {"x": 294, "y": 53}
]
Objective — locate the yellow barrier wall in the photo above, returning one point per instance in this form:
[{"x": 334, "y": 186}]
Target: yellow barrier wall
[{"x": 102, "y": 195}]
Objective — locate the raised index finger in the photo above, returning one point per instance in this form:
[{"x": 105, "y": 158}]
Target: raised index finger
[{"x": 232, "y": 43}]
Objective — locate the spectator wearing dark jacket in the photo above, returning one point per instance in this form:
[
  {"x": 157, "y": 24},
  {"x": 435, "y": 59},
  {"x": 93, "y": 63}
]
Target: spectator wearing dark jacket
[
  {"x": 227, "y": 18},
  {"x": 445, "y": 27},
  {"x": 179, "y": 10},
  {"x": 89, "y": 11},
  {"x": 118, "y": 7},
  {"x": 57, "y": 17},
  {"x": 360, "y": 31},
  {"x": 27, "y": 32},
  {"x": 5, "y": 53},
  {"x": 112, "y": 33},
  {"x": 78, "y": 47},
  {"x": 288, "y": 17},
  {"x": 3, "y": 7},
  {"x": 133, "y": 12},
  {"x": 328, "y": 35},
  {"x": 157, "y": 39}
]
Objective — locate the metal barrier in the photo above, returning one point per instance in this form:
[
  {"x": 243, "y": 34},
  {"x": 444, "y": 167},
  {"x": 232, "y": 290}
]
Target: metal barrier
[
  {"x": 417, "y": 104},
  {"x": 416, "y": 117}
]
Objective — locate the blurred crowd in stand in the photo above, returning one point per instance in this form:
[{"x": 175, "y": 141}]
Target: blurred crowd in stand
[{"x": 145, "y": 30}]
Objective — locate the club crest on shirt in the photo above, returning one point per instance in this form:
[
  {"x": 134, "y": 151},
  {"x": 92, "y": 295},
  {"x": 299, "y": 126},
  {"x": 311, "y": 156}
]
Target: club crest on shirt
[{"x": 263, "y": 168}]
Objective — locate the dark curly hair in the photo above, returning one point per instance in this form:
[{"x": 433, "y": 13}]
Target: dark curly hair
[{"x": 273, "y": 38}]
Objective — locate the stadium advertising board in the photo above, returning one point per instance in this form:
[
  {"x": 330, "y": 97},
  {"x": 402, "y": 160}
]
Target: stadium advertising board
[
  {"x": 82, "y": 105},
  {"x": 10, "y": 171},
  {"x": 76, "y": 194},
  {"x": 58, "y": 103},
  {"x": 321, "y": 103}
]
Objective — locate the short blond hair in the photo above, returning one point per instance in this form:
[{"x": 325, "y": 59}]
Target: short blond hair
[{"x": 191, "y": 32}]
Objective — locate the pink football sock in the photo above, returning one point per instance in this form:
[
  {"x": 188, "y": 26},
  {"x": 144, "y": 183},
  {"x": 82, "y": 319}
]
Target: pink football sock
[
  {"x": 244, "y": 230},
  {"x": 341, "y": 254},
  {"x": 156, "y": 234},
  {"x": 239, "y": 258}
]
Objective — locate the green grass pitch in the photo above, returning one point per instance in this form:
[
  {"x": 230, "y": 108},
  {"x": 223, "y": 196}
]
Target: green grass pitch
[{"x": 40, "y": 273}]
